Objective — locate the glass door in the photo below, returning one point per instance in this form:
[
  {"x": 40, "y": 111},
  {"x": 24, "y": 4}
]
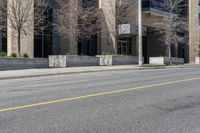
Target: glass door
[{"x": 122, "y": 47}]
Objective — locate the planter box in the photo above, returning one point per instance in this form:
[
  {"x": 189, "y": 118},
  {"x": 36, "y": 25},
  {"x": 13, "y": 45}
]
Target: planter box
[
  {"x": 62, "y": 61},
  {"x": 109, "y": 60},
  {"x": 22, "y": 63},
  {"x": 165, "y": 60},
  {"x": 197, "y": 60}
]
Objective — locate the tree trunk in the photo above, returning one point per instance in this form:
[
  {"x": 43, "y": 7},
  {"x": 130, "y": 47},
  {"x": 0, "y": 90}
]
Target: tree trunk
[
  {"x": 170, "y": 54},
  {"x": 19, "y": 44}
]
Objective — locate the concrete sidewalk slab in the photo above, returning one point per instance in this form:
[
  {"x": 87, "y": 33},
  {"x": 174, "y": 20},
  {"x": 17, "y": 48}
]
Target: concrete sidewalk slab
[
  {"x": 73, "y": 70},
  {"x": 59, "y": 71}
]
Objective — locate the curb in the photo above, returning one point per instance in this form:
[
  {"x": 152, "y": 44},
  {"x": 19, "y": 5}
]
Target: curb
[{"x": 90, "y": 71}]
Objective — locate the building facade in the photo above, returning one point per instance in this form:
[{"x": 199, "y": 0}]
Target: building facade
[{"x": 116, "y": 36}]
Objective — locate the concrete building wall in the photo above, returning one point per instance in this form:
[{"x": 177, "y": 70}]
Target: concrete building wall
[{"x": 150, "y": 19}]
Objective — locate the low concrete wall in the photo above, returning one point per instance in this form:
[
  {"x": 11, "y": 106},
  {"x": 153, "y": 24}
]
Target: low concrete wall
[
  {"x": 125, "y": 60},
  {"x": 109, "y": 60},
  {"x": 61, "y": 61},
  {"x": 22, "y": 63},
  {"x": 177, "y": 60},
  {"x": 165, "y": 60}
]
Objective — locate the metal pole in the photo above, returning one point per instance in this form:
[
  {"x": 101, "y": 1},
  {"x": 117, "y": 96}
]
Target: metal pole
[
  {"x": 140, "y": 47},
  {"x": 42, "y": 43}
]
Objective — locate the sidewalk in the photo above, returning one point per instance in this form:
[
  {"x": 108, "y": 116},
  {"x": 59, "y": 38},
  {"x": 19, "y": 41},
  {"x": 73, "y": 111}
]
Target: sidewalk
[{"x": 73, "y": 70}]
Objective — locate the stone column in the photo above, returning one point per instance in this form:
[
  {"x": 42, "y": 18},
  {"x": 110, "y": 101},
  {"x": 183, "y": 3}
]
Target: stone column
[
  {"x": 27, "y": 40},
  {"x": 193, "y": 29},
  {"x": 73, "y": 41},
  {"x": 108, "y": 33}
]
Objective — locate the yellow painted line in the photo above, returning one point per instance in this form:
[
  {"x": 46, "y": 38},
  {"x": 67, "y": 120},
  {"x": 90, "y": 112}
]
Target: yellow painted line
[{"x": 96, "y": 94}]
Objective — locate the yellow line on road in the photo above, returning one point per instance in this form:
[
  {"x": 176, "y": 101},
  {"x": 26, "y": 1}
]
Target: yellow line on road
[{"x": 96, "y": 94}]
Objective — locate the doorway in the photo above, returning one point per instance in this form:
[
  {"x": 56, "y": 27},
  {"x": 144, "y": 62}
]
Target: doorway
[
  {"x": 43, "y": 46},
  {"x": 145, "y": 49},
  {"x": 123, "y": 47}
]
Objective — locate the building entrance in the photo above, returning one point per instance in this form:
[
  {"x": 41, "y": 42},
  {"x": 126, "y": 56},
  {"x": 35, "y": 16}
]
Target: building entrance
[{"x": 123, "y": 47}]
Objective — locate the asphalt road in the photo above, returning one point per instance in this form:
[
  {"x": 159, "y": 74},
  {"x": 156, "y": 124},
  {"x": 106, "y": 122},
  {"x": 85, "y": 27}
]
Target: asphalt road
[{"x": 135, "y": 101}]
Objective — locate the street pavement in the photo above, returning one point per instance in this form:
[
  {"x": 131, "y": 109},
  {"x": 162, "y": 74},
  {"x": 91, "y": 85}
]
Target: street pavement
[{"x": 123, "y": 101}]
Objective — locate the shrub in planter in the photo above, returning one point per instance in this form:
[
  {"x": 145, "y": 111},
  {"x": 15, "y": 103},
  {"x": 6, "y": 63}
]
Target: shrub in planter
[
  {"x": 3, "y": 54},
  {"x": 14, "y": 55},
  {"x": 107, "y": 53},
  {"x": 70, "y": 53},
  {"x": 25, "y": 55}
]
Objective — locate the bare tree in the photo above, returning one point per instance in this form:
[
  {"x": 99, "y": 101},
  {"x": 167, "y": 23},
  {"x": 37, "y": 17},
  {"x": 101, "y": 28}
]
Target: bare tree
[
  {"x": 20, "y": 13},
  {"x": 85, "y": 20},
  {"x": 174, "y": 24},
  {"x": 77, "y": 19}
]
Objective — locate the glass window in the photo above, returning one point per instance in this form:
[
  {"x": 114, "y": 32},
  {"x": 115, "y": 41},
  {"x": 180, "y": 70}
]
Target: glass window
[
  {"x": 3, "y": 35},
  {"x": 44, "y": 34},
  {"x": 87, "y": 46}
]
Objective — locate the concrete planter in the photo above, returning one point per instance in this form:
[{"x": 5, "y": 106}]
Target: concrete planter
[
  {"x": 165, "y": 60},
  {"x": 197, "y": 60},
  {"x": 62, "y": 61},
  {"x": 22, "y": 63},
  {"x": 109, "y": 60}
]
